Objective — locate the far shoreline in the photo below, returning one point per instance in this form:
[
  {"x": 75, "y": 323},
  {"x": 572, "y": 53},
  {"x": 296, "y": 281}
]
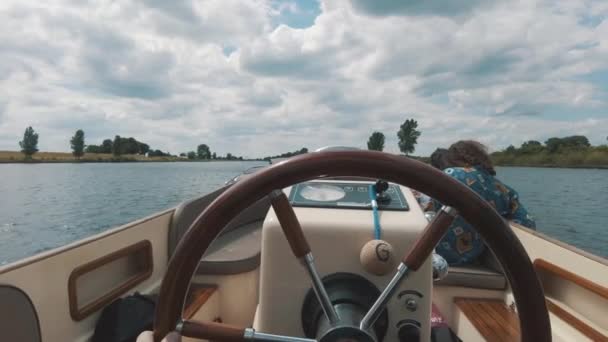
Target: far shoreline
[
  {"x": 67, "y": 158},
  {"x": 107, "y": 161},
  {"x": 15, "y": 157},
  {"x": 551, "y": 166}
]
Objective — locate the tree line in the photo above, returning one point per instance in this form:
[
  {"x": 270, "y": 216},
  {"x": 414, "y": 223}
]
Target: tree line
[
  {"x": 120, "y": 146},
  {"x": 287, "y": 154},
  {"x": 574, "y": 150},
  {"x": 407, "y": 134},
  {"x": 117, "y": 147},
  {"x": 569, "y": 150},
  {"x": 203, "y": 152},
  {"x": 552, "y": 145}
]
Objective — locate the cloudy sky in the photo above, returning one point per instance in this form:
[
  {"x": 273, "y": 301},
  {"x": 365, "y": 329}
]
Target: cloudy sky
[{"x": 261, "y": 77}]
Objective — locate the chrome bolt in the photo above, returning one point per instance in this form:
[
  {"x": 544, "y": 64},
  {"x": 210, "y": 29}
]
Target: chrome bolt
[{"x": 411, "y": 304}]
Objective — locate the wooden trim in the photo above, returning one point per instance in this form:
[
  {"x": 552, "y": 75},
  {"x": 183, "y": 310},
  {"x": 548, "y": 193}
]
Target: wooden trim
[
  {"x": 78, "y": 313},
  {"x": 289, "y": 224},
  {"x": 576, "y": 323},
  {"x": 544, "y": 265},
  {"x": 562, "y": 244},
  {"x": 198, "y": 296},
  {"x": 52, "y": 252}
]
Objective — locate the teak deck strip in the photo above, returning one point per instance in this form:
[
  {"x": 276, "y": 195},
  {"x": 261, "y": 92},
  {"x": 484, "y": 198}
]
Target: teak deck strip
[{"x": 492, "y": 318}]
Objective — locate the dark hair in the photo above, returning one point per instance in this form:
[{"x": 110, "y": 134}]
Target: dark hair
[
  {"x": 469, "y": 153},
  {"x": 439, "y": 159}
]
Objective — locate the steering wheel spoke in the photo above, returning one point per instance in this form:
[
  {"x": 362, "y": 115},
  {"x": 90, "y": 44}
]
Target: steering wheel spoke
[
  {"x": 223, "y": 332},
  {"x": 430, "y": 237},
  {"x": 412, "y": 261},
  {"x": 300, "y": 248}
]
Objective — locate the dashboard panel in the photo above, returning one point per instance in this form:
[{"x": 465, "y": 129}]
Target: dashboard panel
[{"x": 344, "y": 195}]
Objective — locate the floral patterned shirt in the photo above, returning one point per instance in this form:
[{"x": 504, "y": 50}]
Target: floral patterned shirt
[{"x": 462, "y": 245}]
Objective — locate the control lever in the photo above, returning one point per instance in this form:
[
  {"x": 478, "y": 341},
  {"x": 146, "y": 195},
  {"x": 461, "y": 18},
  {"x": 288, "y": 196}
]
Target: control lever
[{"x": 381, "y": 196}]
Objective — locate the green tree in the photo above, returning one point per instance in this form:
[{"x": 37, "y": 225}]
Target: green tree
[
  {"x": 159, "y": 153},
  {"x": 376, "y": 142},
  {"x": 408, "y": 135},
  {"x": 229, "y": 156},
  {"x": 129, "y": 146},
  {"x": 116, "y": 146},
  {"x": 94, "y": 149},
  {"x": 106, "y": 146},
  {"x": 553, "y": 144},
  {"x": 29, "y": 144},
  {"x": 191, "y": 155},
  {"x": 531, "y": 147},
  {"x": 214, "y": 156},
  {"x": 576, "y": 141},
  {"x": 143, "y": 148},
  {"x": 203, "y": 151},
  {"x": 77, "y": 143}
]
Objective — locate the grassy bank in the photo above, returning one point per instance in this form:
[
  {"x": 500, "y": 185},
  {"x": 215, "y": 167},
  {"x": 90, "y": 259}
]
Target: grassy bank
[
  {"x": 592, "y": 157},
  {"x": 64, "y": 157}
]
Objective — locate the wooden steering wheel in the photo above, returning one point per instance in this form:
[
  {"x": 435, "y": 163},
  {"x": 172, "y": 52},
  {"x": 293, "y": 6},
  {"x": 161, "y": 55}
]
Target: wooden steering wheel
[{"x": 533, "y": 316}]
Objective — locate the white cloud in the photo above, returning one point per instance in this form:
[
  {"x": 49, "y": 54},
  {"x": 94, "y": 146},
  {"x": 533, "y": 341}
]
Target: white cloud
[{"x": 176, "y": 74}]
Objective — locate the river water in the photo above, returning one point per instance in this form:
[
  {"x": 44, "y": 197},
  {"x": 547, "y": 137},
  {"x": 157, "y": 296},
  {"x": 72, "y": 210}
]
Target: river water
[{"x": 43, "y": 206}]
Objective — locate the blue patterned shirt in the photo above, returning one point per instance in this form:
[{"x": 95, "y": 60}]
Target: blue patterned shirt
[{"x": 462, "y": 245}]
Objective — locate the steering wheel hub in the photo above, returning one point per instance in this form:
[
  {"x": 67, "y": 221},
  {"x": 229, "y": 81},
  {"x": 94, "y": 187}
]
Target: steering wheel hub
[{"x": 347, "y": 334}]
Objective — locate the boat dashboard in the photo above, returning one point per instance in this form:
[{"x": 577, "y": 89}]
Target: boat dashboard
[{"x": 348, "y": 243}]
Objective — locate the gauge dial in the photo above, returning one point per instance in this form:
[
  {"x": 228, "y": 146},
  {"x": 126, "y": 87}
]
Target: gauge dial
[{"x": 322, "y": 192}]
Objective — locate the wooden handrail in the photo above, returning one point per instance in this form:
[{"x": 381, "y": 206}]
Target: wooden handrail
[
  {"x": 544, "y": 265},
  {"x": 575, "y": 322}
]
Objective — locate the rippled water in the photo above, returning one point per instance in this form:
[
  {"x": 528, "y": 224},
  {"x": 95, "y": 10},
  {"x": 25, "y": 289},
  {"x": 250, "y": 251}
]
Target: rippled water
[
  {"x": 570, "y": 205},
  {"x": 43, "y": 206}
]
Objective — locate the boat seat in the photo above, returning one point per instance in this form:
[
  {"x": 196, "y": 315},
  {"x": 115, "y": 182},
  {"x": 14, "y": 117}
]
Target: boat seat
[
  {"x": 486, "y": 275},
  {"x": 18, "y": 318},
  {"x": 236, "y": 251},
  {"x": 238, "y": 247}
]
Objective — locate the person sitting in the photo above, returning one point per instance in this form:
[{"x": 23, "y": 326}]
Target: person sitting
[
  {"x": 439, "y": 161},
  {"x": 468, "y": 162}
]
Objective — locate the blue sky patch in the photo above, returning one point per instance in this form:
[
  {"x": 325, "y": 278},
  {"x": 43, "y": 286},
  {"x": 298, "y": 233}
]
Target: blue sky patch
[
  {"x": 599, "y": 78},
  {"x": 228, "y": 49},
  {"x": 297, "y": 14}
]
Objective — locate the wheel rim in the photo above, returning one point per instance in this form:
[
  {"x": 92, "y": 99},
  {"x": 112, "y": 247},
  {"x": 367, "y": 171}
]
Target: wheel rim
[{"x": 527, "y": 291}]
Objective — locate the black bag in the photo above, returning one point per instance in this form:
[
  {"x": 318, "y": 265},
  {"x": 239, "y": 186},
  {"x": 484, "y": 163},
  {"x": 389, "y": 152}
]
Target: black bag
[{"x": 125, "y": 318}]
